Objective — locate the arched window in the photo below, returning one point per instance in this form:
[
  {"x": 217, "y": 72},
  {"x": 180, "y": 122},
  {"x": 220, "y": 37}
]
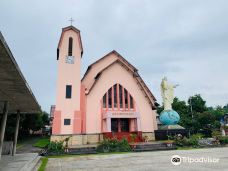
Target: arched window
[
  {"x": 118, "y": 97},
  {"x": 70, "y": 46}
]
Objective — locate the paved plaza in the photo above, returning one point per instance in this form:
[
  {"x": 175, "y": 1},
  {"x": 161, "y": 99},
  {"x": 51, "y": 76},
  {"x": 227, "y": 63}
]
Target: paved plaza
[{"x": 157, "y": 161}]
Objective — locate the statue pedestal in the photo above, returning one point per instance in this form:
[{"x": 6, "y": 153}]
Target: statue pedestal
[
  {"x": 170, "y": 130},
  {"x": 170, "y": 127}
]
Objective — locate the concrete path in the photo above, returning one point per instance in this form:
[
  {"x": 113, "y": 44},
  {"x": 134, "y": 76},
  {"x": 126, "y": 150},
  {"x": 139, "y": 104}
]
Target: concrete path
[
  {"x": 19, "y": 162},
  {"x": 157, "y": 161},
  {"x": 27, "y": 146}
]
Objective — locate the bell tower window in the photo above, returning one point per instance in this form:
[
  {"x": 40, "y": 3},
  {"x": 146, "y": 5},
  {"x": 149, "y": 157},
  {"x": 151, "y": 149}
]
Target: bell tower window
[{"x": 70, "y": 47}]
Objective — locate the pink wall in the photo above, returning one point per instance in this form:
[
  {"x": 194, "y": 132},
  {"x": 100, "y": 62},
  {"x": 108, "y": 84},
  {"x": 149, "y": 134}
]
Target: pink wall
[
  {"x": 117, "y": 74},
  {"x": 56, "y": 128}
]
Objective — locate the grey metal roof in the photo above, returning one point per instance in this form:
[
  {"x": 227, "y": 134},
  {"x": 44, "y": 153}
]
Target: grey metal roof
[{"x": 13, "y": 86}]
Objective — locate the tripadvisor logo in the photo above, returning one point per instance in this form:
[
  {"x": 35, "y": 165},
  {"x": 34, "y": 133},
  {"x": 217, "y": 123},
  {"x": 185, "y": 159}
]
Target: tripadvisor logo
[{"x": 176, "y": 160}]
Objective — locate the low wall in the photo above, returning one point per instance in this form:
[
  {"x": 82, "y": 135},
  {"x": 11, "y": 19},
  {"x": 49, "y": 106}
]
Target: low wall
[
  {"x": 150, "y": 136},
  {"x": 79, "y": 139},
  {"x": 84, "y": 139}
]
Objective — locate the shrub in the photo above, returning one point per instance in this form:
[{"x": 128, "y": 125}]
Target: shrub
[
  {"x": 217, "y": 135},
  {"x": 113, "y": 145},
  {"x": 133, "y": 137},
  {"x": 181, "y": 141},
  {"x": 224, "y": 140},
  {"x": 193, "y": 139},
  {"x": 56, "y": 147},
  {"x": 184, "y": 141}
]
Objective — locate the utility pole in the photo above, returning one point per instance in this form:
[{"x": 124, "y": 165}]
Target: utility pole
[{"x": 191, "y": 106}]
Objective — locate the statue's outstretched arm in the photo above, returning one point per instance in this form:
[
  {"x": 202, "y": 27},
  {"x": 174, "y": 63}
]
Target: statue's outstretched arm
[{"x": 176, "y": 85}]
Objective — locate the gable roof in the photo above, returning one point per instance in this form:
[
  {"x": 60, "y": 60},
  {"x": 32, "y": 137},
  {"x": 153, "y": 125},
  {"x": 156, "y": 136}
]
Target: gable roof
[
  {"x": 107, "y": 55},
  {"x": 130, "y": 68},
  {"x": 74, "y": 29}
]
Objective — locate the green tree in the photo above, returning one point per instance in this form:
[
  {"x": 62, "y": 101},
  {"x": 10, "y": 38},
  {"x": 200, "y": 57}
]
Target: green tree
[
  {"x": 183, "y": 110},
  {"x": 207, "y": 122},
  {"x": 197, "y": 104},
  {"x": 28, "y": 122}
]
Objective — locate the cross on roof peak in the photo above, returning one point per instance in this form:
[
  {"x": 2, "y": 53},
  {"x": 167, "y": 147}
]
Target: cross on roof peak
[{"x": 71, "y": 21}]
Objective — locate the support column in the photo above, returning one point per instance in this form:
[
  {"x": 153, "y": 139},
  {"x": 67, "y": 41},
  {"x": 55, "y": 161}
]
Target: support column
[
  {"x": 108, "y": 123},
  {"x": 3, "y": 125},
  {"x": 138, "y": 124},
  {"x": 16, "y": 133}
]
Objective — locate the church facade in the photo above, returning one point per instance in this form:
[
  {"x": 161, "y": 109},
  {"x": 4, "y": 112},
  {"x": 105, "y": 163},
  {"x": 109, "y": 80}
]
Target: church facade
[{"x": 111, "y": 100}]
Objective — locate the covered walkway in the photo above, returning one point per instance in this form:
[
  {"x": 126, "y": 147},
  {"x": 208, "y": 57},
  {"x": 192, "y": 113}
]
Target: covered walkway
[{"x": 16, "y": 96}]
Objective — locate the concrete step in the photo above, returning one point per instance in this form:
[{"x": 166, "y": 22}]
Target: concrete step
[
  {"x": 152, "y": 147},
  {"x": 86, "y": 150},
  {"x": 30, "y": 166}
]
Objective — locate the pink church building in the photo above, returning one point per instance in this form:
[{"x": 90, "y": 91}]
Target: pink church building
[{"x": 111, "y": 100}]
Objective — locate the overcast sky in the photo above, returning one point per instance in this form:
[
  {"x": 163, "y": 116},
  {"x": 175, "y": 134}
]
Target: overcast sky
[{"x": 185, "y": 40}]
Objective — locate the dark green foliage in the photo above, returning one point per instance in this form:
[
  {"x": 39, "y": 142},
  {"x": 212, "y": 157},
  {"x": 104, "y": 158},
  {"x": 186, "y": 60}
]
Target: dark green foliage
[
  {"x": 196, "y": 116},
  {"x": 56, "y": 147},
  {"x": 193, "y": 140},
  {"x": 218, "y": 136},
  {"x": 224, "y": 140},
  {"x": 181, "y": 141},
  {"x": 28, "y": 122},
  {"x": 185, "y": 142},
  {"x": 113, "y": 145},
  {"x": 42, "y": 142},
  {"x": 197, "y": 103}
]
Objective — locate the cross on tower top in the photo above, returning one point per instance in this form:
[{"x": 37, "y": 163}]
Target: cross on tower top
[{"x": 71, "y": 21}]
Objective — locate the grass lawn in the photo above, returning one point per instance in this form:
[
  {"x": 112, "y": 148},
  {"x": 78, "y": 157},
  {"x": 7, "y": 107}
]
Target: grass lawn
[
  {"x": 42, "y": 142},
  {"x": 43, "y": 165}
]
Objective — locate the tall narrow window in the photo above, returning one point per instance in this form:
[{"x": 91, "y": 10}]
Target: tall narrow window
[
  {"x": 110, "y": 98},
  {"x": 58, "y": 54},
  {"x": 68, "y": 91},
  {"x": 121, "y": 96},
  {"x": 115, "y": 95},
  {"x": 70, "y": 46},
  {"x": 131, "y": 102},
  {"x": 126, "y": 98},
  {"x": 104, "y": 101}
]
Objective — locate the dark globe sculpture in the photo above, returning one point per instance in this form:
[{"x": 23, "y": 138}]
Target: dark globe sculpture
[{"x": 169, "y": 117}]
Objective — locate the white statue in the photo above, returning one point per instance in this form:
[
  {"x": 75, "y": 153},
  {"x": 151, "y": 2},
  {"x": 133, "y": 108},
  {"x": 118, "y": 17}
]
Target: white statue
[{"x": 167, "y": 92}]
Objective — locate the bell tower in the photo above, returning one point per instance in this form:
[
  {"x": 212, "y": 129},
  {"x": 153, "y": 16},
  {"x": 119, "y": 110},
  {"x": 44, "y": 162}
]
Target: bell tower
[{"x": 67, "y": 119}]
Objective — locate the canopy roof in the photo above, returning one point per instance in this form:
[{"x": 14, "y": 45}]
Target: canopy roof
[{"x": 13, "y": 86}]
